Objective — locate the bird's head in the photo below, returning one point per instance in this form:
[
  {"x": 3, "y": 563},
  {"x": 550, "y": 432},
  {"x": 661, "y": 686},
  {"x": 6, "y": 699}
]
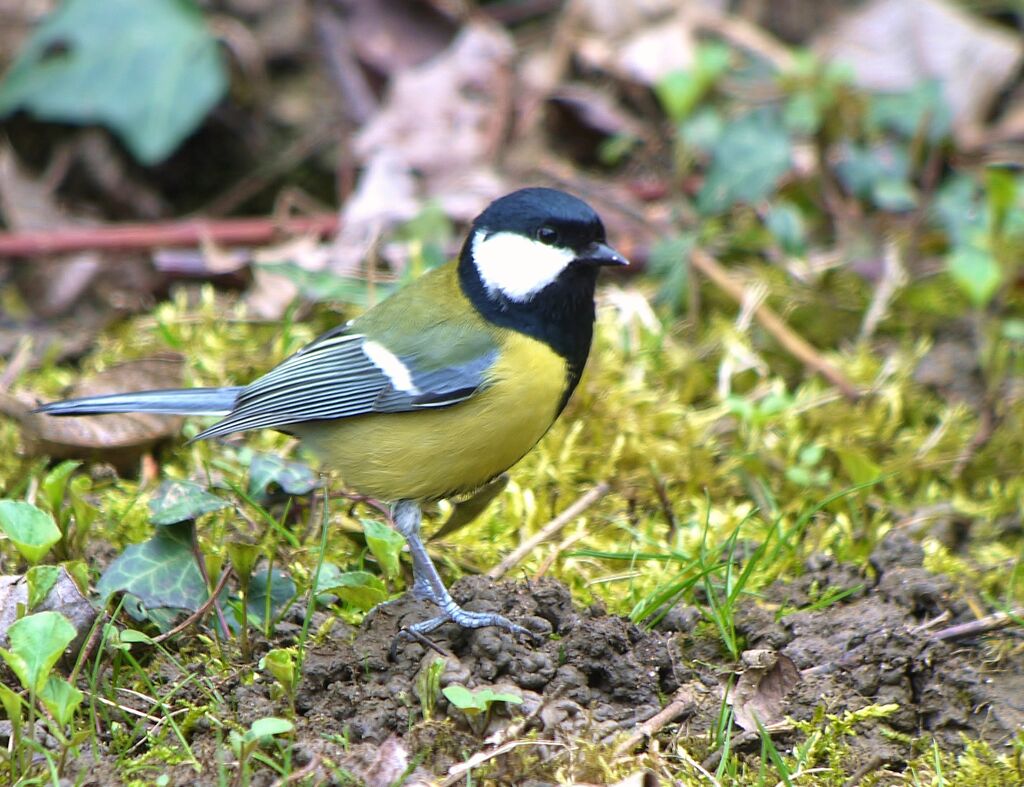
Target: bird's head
[{"x": 533, "y": 239}]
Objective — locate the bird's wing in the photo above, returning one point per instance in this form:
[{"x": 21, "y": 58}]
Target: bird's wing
[{"x": 345, "y": 373}]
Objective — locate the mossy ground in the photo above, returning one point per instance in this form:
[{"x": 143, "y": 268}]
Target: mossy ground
[{"x": 713, "y": 443}]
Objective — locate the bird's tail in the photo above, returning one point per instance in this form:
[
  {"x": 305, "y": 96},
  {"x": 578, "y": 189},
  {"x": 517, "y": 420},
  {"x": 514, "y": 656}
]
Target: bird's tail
[{"x": 182, "y": 401}]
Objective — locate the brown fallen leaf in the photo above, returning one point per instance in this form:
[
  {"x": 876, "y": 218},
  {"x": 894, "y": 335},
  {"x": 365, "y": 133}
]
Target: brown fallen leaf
[
  {"x": 64, "y": 597},
  {"x": 447, "y": 113},
  {"x": 893, "y": 45},
  {"x": 762, "y": 687},
  {"x": 119, "y": 439}
]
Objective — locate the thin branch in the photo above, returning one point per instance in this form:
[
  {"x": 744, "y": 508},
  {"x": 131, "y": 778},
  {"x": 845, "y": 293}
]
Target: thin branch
[
  {"x": 135, "y": 237},
  {"x": 199, "y": 613},
  {"x": 550, "y": 530},
  {"x": 682, "y": 703},
  {"x": 993, "y": 622},
  {"x": 793, "y": 343}
]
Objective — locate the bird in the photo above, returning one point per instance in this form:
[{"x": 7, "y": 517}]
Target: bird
[{"x": 440, "y": 388}]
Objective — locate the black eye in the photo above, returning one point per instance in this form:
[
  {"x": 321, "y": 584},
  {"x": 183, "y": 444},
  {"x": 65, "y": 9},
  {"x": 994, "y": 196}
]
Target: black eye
[{"x": 547, "y": 235}]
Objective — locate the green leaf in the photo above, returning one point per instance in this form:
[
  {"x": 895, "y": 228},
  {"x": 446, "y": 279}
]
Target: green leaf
[
  {"x": 280, "y": 589},
  {"x": 462, "y": 698},
  {"x": 893, "y": 194},
  {"x": 1013, "y": 330},
  {"x": 786, "y": 223},
  {"x": 880, "y": 174},
  {"x": 31, "y": 530},
  {"x": 907, "y": 113},
  {"x": 679, "y": 91},
  {"x": 702, "y": 130},
  {"x": 280, "y": 662},
  {"x": 858, "y": 465},
  {"x": 669, "y": 263},
  {"x": 976, "y": 272},
  {"x": 162, "y": 572},
  {"x": 243, "y": 557},
  {"x": 749, "y": 160},
  {"x": 386, "y": 545},
  {"x": 359, "y": 588},
  {"x": 958, "y": 209},
  {"x": 1001, "y": 194},
  {"x": 264, "y": 729},
  {"x": 12, "y": 707},
  {"x": 182, "y": 501},
  {"x": 327, "y": 285},
  {"x": 56, "y": 482},
  {"x": 477, "y": 701},
  {"x": 294, "y": 478},
  {"x": 41, "y": 580},
  {"x": 36, "y": 643},
  {"x": 148, "y": 69},
  {"x": 61, "y": 699}
]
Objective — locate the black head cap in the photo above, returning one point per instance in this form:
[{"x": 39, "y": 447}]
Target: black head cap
[{"x": 562, "y": 219}]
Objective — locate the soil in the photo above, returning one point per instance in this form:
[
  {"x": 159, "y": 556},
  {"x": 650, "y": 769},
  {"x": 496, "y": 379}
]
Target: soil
[{"x": 592, "y": 676}]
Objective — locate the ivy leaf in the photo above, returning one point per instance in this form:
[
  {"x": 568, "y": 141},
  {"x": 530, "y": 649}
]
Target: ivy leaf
[
  {"x": 747, "y": 163},
  {"x": 976, "y": 272},
  {"x": 786, "y": 223},
  {"x": 275, "y": 588},
  {"x": 30, "y": 529},
  {"x": 182, "y": 501},
  {"x": 148, "y": 69},
  {"x": 162, "y": 572},
  {"x": 294, "y": 478}
]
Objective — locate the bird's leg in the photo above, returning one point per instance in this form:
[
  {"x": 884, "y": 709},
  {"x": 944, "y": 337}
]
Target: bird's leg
[{"x": 427, "y": 582}]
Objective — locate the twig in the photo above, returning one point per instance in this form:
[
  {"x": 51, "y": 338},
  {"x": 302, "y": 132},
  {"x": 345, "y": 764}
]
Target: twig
[
  {"x": 681, "y": 704},
  {"x": 858, "y": 775},
  {"x": 129, "y": 237},
  {"x": 771, "y": 322},
  {"x": 746, "y": 35},
  {"x": 198, "y": 614},
  {"x": 549, "y": 530},
  {"x": 458, "y": 772},
  {"x": 22, "y": 355},
  {"x": 297, "y": 776},
  {"x": 993, "y": 622}
]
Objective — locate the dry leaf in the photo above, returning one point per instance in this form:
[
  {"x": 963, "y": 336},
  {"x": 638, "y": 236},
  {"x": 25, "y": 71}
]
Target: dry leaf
[
  {"x": 386, "y": 196},
  {"x": 119, "y": 439},
  {"x": 636, "y": 42},
  {"x": 893, "y": 46},
  {"x": 762, "y": 688},
  {"x": 447, "y": 113},
  {"x": 64, "y": 597},
  {"x": 392, "y": 35}
]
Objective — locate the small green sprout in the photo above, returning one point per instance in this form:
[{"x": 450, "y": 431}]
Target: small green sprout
[{"x": 477, "y": 704}]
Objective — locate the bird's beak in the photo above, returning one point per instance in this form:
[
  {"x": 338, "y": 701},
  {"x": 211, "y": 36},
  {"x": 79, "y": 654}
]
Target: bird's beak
[{"x": 601, "y": 254}]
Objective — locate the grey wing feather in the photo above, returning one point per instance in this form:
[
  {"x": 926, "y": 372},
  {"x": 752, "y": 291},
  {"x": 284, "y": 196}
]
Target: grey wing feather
[
  {"x": 437, "y": 387},
  {"x": 333, "y": 377}
]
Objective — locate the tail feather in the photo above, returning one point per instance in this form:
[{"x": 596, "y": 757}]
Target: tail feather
[{"x": 183, "y": 401}]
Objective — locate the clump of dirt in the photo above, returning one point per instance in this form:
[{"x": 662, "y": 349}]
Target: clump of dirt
[
  {"x": 585, "y": 673},
  {"x": 589, "y": 675}
]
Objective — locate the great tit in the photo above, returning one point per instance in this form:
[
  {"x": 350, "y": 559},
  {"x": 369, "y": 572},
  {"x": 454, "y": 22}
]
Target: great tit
[{"x": 440, "y": 388}]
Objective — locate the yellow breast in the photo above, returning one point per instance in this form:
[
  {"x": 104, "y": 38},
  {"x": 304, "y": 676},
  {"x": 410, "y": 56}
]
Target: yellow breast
[{"x": 436, "y": 453}]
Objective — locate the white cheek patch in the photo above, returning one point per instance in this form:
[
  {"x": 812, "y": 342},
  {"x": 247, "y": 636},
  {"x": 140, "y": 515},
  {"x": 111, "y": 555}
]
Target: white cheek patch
[
  {"x": 516, "y": 266},
  {"x": 391, "y": 365}
]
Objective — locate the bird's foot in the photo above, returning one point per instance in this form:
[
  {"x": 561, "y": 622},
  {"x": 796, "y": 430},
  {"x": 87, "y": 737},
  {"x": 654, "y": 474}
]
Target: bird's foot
[{"x": 465, "y": 619}]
